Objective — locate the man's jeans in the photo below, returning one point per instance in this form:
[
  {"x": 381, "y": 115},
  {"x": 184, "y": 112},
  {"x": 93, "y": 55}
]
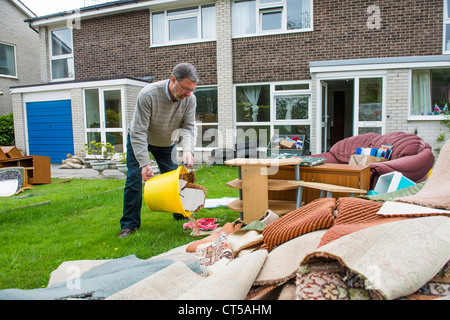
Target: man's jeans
[{"x": 132, "y": 195}]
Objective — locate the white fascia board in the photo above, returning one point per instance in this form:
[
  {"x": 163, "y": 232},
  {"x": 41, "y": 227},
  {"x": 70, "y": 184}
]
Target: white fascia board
[
  {"x": 379, "y": 66},
  {"x": 78, "y": 85}
]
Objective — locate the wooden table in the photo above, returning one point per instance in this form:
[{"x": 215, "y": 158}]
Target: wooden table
[
  {"x": 281, "y": 185},
  {"x": 254, "y": 186}
]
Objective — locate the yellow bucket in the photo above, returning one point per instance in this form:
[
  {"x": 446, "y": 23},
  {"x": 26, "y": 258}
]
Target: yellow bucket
[{"x": 162, "y": 192}]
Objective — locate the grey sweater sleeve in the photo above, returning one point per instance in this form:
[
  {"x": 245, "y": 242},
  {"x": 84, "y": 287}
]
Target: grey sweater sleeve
[{"x": 138, "y": 130}]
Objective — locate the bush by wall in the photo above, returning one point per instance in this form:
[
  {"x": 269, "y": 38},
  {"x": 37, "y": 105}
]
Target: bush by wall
[{"x": 7, "y": 130}]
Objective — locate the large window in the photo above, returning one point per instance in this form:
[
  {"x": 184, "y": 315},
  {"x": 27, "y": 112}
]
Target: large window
[
  {"x": 267, "y": 109},
  {"x": 206, "y": 117},
  {"x": 447, "y": 26},
  {"x": 104, "y": 120},
  {"x": 252, "y": 17},
  {"x": 7, "y": 60},
  {"x": 184, "y": 25},
  {"x": 430, "y": 91},
  {"x": 61, "y": 54}
]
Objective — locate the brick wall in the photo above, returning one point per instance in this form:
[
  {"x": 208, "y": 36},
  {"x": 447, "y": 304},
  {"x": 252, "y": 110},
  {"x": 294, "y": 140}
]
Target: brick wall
[
  {"x": 120, "y": 47},
  {"x": 341, "y": 32}
]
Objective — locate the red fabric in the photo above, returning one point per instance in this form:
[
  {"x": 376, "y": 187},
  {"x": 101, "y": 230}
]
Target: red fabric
[
  {"x": 203, "y": 224},
  {"x": 411, "y": 156}
]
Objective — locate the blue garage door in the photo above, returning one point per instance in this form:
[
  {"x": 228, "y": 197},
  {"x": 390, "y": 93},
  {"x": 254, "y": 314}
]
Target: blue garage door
[{"x": 50, "y": 131}]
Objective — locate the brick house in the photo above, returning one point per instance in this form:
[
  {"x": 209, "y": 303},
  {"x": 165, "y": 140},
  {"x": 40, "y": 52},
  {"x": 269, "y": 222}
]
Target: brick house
[
  {"x": 17, "y": 54},
  {"x": 325, "y": 69}
]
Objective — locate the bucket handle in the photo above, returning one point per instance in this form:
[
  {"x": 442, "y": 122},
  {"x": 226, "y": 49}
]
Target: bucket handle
[{"x": 182, "y": 175}]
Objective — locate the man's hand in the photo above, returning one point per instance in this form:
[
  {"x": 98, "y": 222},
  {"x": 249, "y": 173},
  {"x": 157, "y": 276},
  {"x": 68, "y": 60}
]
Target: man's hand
[
  {"x": 188, "y": 159},
  {"x": 147, "y": 172}
]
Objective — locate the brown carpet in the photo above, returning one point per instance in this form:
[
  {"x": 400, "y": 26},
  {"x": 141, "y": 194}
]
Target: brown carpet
[{"x": 316, "y": 215}]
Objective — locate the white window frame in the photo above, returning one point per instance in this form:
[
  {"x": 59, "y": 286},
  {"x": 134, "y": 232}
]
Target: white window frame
[
  {"x": 273, "y": 95},
  {"x": 357, "y": 124},
  {"x": 69, "y": 57},
  {"x": 201, "y": 124},
  {"x": 274, "y": 6},
  {"x": 446, "y": 21},
  {"x": 103, "y": 130},
  {"x": 168, "y": 18},
  {"x": 15, "y": 62},
  {"x": 411, "y": 116}
]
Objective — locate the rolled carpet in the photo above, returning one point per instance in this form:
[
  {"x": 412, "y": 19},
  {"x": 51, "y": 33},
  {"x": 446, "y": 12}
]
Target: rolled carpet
[{"x": 316, "y": 215}]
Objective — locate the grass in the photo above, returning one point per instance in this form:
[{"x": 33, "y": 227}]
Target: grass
[{"x": 79, "y": 219}]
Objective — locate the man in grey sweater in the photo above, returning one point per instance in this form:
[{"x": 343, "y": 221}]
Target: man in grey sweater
[{"x": 165, "y": 111}]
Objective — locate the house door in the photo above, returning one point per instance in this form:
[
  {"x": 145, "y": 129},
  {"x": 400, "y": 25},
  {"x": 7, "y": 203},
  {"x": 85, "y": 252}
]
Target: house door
[
  {"x": 350, "y": 106},
  {"x": 369, "y": 102},
  {"x": 104, "y": 116},
  {"x": 324, "y": 116},
  {"x": 337, "y": 111},
  {"x": 50, "y": 130}
]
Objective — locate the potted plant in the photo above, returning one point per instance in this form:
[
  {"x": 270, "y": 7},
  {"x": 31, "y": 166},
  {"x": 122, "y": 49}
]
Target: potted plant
[
  {"x": 122, "y": 165},
  {"x": 101, "y": 153}
]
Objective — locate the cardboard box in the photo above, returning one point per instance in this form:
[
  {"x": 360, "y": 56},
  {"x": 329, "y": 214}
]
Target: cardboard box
[
  {"x": 274, "y": 148},
  {"x": 364, "y": 159},
  {"x": 286, "y": 144}
]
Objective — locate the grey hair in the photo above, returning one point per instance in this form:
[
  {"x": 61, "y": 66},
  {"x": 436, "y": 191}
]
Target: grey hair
[{"x": 185, "y": 70}]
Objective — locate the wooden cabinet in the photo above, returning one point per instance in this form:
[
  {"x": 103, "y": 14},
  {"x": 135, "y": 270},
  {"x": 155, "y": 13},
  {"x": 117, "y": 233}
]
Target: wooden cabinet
[
  {"x": 353, "y": 176},
  {"x": 277, "y": 184},
  {"x": 37, "y": 168}
]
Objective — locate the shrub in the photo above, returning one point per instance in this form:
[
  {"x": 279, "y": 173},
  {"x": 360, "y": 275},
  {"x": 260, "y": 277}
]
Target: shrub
[{"x": 7, "y": 130}]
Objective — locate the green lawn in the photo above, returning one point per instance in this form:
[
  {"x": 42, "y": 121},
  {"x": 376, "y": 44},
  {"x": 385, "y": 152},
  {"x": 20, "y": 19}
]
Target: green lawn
[{"x": 62, "y": 221}]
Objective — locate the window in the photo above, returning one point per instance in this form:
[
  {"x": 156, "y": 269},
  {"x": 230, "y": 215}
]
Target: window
[
  {"x": 61, "y": 54},
  {"x": 7, "y": 60},
  {"x": 206, "y": 117},
  {"x": 104, "y": 120},
  {"x": 268, "y": 109},
  {"x": 447, "y": 26},
  {"x": 252, "y": 17},
  {"x": 430, "y": 91},
  {"x": 370, "y": 105},
  {"x": 181, "y": 25}
]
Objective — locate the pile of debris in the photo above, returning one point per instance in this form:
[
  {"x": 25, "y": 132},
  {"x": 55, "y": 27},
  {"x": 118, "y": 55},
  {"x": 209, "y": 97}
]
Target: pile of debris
[{"x": 72, "y": 162}]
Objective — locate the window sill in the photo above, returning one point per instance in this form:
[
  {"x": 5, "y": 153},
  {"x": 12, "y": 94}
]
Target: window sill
[
  {"x": 61, "y": 80},
  {"x": 261, "y": 34},
  {"x": 427, "y": 118},
  {"x": 177, "y": 43},
  {"x": 9, "y": 77}
]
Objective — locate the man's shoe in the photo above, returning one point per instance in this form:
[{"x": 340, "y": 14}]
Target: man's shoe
[{"x": 126, "y": 233}]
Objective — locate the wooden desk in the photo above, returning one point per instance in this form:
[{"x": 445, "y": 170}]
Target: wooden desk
[{"x": 277, "y": 184}]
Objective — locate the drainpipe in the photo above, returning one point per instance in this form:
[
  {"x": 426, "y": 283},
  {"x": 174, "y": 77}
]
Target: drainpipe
[{"x": 29, "y": 25}]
